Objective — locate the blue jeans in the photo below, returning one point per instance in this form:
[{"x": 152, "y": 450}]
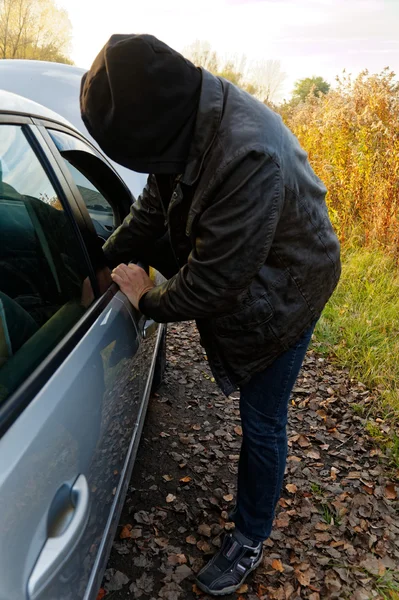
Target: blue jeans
[{"x": 264, "y": 412}]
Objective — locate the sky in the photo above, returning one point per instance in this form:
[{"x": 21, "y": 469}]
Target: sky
[{"x": 309, "y": 37}]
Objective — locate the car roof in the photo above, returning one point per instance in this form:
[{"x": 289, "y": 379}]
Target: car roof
[
  {"x": 57, "y": 86},
  {"x": 16, "y": 104}
]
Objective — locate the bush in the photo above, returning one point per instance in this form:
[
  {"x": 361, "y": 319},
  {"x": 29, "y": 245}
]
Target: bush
[{"x": 352, "y": 137}]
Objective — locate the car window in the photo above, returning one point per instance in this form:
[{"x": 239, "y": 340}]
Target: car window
[
  {"x": 102, "y": 192},
  {"x": 68, "y": 145},
  {"x": 44, "y": 284}
]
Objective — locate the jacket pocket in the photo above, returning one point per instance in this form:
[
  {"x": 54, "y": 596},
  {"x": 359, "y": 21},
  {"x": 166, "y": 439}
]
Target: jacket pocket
[{"x": 250, "y": 316}]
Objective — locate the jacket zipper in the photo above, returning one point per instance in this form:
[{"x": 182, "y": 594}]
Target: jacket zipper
[{"x": 160, "y": 199}]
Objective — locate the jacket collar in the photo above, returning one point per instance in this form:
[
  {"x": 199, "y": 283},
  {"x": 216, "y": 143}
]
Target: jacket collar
[{"x": 206, "y": 126}]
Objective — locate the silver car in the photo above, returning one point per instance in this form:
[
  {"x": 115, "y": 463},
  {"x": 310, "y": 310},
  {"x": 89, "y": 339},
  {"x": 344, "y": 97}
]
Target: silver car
[{"x": 77, "y": 362}]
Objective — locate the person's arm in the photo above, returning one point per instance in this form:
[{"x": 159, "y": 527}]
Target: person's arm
[
  {"x": 234, "y": 237},
  {"x": 145, "y": 224}
]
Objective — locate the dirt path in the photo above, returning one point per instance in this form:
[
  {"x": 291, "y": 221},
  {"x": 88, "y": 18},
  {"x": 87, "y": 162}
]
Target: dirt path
[{"x": 336, "y": 533}]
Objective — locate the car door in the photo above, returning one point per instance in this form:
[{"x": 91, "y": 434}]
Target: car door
[
  {"x": 100, "y": 192},
  {"x": 70, "y": 382}
]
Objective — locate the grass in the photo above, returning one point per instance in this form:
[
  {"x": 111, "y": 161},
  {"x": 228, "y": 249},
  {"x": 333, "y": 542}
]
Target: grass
[
  {"x": 316, "y": 489},
  {"x": 386, "y": 585},
  {"x": 360, "y": 327}
]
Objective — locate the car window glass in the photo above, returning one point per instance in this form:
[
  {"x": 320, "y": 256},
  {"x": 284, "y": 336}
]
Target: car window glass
[
  {"x": 44, "y": 285},
  {"x": 68, "y": 145}
]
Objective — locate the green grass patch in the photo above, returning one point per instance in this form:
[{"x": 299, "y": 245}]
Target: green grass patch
[{"x": 360, "y": 327}]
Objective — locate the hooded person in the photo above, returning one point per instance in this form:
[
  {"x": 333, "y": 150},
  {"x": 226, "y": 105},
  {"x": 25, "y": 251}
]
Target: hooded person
[
  {"x": 139, "y": 101},
  {"x": 254, "y": 255}
]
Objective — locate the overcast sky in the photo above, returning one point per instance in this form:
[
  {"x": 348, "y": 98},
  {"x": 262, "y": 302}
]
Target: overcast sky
[{"x": 309, "y": 37}]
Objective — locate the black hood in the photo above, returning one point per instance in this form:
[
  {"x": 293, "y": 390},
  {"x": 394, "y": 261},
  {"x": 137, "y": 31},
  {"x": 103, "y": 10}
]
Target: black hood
[{"x": 139, "y": 102}]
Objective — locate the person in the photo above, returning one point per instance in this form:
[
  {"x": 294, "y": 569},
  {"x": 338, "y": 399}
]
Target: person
[{"x": 254, "y": 256}]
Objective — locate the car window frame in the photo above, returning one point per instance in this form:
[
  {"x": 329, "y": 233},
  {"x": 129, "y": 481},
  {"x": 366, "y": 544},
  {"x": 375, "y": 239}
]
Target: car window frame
[
  {"x": 122, "y": 204},
  {"x": 20, "y": 399}
]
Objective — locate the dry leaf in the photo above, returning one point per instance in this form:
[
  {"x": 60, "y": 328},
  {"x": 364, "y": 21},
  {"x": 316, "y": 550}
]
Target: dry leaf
[
  {"x": 243, "y": 589},
  {"x": 303, "y": 577},
  {"x": 204, "y": 547},
  {"x": 186, "y": 479},
  {"x": 196, "y": 590},
  {"x": 101, "y": 594},
  {"x": 323, "y": 537},
  {"x": 125, "y": 533},
  {"x": 238, "y": 429},
  {"x": 167, "y": 477},
  {"x": 161, "y": 542},
  {"x": 177, "y": 559},
  {"x": 228, "y": 497},
  {"x": 170, "y": 498},
  {"x": 333, "y": 473},
  {"x": 136, "y": 533},
  {"x": 390, "y": 491},
  {"x": 313, "y": 454},
  {"x": 205, "y": 530},
  {"x": 291, "y": 488},
  {"x": 303, "y": 441},
  {"x": 190, "y": 539},
  {"x": 277, "y": 565}
]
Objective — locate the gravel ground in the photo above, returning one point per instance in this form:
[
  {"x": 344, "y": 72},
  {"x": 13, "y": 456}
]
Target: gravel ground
[{"x": 336, "y": 531}]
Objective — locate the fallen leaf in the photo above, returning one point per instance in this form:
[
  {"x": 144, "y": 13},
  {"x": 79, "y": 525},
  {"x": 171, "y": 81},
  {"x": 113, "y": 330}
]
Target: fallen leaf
[
  {"x": 181, "y": 573},
  {"x": 313, "y": 454},
  {"x": 303, "y": 577},
  {"x": 204, "y": 547},
  {"x": 196, "y": 590},
  {"x": 390, "y": 491},
  {"x": 228, "y": 497},
  {"x": 143, "y": 585},
  {"x": 303, "y": 441},
  {"x": 101, "y": 594},
  {"x": 125, "y": 533},
  {"x": 291, "y": 488},
  {"x": 243, "y": 589},
  {"x": 277, "y": 565},
  {"x": 167, "y": 477},
  {"x": 136, "y": 533},
  {"x": 170, "y": 498},
  {"x": 116, "y": 581},
  {"x": 333, "y": 473},
  {"x": 186, "y": 479},
  {"x": 177, "y": 559},
  {"x": 161, "y": 542},
  {"x": 323, "y": 537},
  {"x": 238, "y": 429},
  {"x": 205, "y": 530},
  {"x": 190, "y": 539}
]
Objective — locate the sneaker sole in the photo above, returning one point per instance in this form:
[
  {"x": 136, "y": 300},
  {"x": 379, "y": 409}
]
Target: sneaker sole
[{"x": 232, "y": 588}]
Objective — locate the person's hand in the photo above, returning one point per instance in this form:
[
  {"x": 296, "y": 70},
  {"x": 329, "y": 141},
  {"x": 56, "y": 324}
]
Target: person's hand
[
  {"x": 133, "y": 281},
  {"x": 87, "y": 294}
]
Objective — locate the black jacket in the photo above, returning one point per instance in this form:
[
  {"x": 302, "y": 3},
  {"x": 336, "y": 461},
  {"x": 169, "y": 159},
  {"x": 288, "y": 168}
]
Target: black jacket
[{"x": 250, "y": 230}]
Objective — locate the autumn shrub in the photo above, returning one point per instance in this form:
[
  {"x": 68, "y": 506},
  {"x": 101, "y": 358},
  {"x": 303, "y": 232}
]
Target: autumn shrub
[{"x": 352, "y": 137}]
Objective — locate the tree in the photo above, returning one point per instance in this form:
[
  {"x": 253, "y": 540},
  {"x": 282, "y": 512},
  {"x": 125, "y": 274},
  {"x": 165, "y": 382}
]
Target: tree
[
  {"x": 262, "y": 79},
  {"x": 267, "y": 78},
  {"x": 304, "y": 87},
  {"x": 34, "y": 29},
  {"x": 201, "y": 54}
]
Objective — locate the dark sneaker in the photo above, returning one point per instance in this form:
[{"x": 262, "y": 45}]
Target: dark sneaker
[{"x": 229, "y": 568}]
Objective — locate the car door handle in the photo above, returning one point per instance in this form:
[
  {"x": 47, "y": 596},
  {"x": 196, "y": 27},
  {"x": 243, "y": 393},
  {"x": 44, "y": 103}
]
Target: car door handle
[
  {"x": 150, "y": 328},
  {"x": 67, "y": 518}
]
